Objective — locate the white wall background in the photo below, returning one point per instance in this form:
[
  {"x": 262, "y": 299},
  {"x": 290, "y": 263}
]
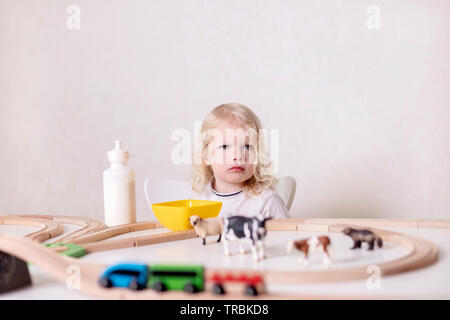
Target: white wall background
[{"x": 363, "y": 114}]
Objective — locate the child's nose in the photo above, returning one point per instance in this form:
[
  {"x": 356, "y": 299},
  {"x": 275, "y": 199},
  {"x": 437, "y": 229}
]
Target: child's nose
[{"x": 238, "y": 155}]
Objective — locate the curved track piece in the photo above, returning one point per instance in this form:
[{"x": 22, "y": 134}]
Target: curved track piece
[
  {"x": 87, "y": 225},
  {"x": 49, "y": 229}
]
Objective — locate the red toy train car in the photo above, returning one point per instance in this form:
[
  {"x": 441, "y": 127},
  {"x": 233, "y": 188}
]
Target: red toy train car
[{"x": 251, "y": 283}]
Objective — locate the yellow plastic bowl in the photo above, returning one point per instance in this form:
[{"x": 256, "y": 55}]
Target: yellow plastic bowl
[{"x": 174, "y": 215}]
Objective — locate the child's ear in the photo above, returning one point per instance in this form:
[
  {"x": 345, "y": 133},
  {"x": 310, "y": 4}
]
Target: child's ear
[{"x": 206, "y": 158}]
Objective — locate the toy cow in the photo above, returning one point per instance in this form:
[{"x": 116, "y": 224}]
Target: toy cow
[
  {"x": 245, "y": 230},
  {"x": 310, "y": 245},
  {"x": 363, "y": 235}
]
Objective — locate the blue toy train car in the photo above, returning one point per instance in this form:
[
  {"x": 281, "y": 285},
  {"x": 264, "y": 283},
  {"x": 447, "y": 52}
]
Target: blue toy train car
[{"x": 127, "y": 275}]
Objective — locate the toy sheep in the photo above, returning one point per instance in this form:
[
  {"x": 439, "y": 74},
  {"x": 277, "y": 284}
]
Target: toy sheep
[{"x": 207, "y": 227}]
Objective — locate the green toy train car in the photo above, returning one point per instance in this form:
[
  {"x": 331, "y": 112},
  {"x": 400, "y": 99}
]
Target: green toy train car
[{"x": 176, "y": 277}]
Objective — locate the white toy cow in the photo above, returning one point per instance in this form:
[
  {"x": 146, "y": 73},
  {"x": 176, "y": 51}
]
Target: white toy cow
[{"x": 242, "y": 229}]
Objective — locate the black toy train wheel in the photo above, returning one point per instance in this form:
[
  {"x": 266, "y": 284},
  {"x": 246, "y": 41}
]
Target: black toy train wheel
[
  {"x": 159, "y": 286},
  {"x": 105, "y": 282},
  {"x": 218, "y": 289},
  {"x": 251, "y": 290},
  {"x": 189, "y": 287},
  {"x": 134, "y": 285}
]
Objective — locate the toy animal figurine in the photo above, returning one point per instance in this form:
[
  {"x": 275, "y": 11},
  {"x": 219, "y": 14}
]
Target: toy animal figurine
[
  {"x": 245, "y": 230},
  {"x": 206, "y": 227},
  {"x": 310, "y": 245},
  {"x": 363, "y": 235}
]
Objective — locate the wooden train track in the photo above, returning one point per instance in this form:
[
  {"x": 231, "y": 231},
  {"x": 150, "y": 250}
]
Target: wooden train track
[
  {"x": 58, "y": 267},
  {"x": 422, "y": 252},
  {"x": 48, "y": 229},
  {"x": 87, "y": 225}
]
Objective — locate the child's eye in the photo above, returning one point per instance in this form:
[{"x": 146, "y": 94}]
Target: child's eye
[
  {"x": 247, "y": 147},
  {"x": 224, "y": 146}
]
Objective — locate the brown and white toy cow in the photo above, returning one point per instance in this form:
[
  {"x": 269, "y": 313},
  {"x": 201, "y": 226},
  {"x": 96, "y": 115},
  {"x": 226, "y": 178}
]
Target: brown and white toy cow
[{"x": 311, "y": 245}]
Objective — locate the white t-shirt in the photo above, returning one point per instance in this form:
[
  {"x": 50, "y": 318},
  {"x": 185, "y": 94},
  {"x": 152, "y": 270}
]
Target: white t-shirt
[{"x": 268, "y": 203}]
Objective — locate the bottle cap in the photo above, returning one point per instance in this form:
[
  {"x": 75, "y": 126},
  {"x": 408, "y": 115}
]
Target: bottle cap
[{"x": 118, "y": 154}]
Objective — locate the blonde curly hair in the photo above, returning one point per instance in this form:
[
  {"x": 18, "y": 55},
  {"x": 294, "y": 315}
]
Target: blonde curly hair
[{"x": 202, "y": 173}]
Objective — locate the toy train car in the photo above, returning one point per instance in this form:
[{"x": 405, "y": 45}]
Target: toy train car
[
  {"x": 189, "y": 278},
  {"x": 160, "y": 277},
  {"x": 251, "y": 283}
]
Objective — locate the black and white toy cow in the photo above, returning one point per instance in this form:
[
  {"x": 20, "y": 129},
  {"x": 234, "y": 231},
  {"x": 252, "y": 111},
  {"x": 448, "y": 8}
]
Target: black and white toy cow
[{"x": 243, "y": 230}]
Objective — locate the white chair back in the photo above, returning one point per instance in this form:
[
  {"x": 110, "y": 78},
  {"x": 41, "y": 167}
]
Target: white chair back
[
  {"x": 162, "y": 190},
  {"x": 285, "y": 188}
]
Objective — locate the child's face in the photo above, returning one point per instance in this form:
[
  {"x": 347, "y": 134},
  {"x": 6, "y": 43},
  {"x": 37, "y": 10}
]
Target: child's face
[{"x": 232, "y": 152}]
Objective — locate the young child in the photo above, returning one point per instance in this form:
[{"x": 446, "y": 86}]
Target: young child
[{"x": 231, "y": 166}]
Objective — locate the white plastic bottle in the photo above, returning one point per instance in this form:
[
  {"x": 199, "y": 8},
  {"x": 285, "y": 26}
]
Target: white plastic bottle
[{"x": 119, "y": 189}]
